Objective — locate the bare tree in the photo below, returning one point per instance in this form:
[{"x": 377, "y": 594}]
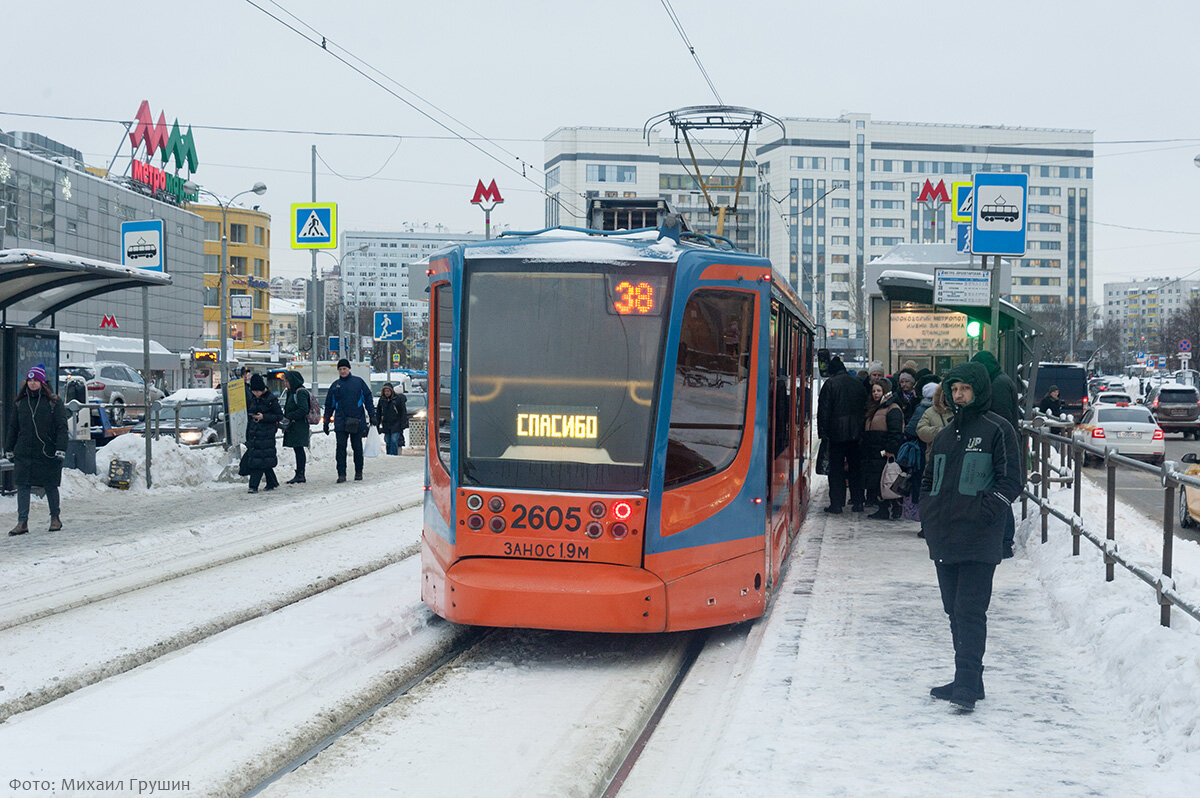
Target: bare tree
[
  {"x": 1183, "y": 325},
  {"x": 1055, "y": 326}
]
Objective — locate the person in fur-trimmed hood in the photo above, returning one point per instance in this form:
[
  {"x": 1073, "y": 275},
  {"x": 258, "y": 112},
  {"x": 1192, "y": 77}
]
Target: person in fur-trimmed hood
[{"x": 972, "y": 476}]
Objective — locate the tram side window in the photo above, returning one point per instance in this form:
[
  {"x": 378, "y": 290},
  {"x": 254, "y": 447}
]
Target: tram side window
[
  {"x": 444, "y": 350},
  {"x": 712, "y": 382}
]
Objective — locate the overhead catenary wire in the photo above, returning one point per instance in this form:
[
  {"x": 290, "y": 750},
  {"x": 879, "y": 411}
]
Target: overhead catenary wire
[
  {"x": 358, "y": 70},
  {"x": 666, "y": 4}
]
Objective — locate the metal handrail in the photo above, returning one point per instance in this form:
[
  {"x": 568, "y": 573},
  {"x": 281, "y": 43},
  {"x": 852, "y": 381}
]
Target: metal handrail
[{"x": 1163, "y": 583}]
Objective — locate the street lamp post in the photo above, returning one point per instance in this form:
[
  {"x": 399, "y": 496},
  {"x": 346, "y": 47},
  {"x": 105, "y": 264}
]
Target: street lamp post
[{"x": 223, "y": 333}]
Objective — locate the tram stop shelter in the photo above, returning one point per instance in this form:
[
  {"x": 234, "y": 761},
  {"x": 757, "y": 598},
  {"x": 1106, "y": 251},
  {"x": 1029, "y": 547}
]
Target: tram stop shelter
[
  {"x": 34, "y": 286},
  {"x": 904, "y": 324}
]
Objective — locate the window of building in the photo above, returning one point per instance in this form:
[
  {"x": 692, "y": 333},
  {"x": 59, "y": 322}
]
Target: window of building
[
  {"x": 259, "y": 300},
  {"x": 237, "y": 234},
  {"x": 260, "y": 267},
  {"x": 212, "y": 231},
  {"x": 840, "y": 164},
  {"x": 887, "y": 185},
  {"x": 839, "y": 240},
  {"x": 258, "y": 236},
  {"x": 237, "y": 264},
  {"x": 212, "y": 296},
  {"x": 611, "y": 173}
]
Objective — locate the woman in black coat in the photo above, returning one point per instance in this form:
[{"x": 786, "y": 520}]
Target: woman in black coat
[
  {"x": 392, "y": 412},
  {"x": 881, "y": 439},
  {"x": 263, "y": 415},
  {"x": 37, "y": 444},
  {"x": 297, "y": 433}
]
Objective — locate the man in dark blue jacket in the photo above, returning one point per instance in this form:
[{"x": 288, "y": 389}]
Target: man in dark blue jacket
[
  {"x": 841, "y": 407},
  {"x": 972, "y": 476},
  {"x": 349, "y": 406}
]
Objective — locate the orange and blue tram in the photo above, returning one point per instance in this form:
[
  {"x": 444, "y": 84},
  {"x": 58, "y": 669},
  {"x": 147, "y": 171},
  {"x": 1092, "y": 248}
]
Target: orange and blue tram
[{"x": 618, "y": 432}]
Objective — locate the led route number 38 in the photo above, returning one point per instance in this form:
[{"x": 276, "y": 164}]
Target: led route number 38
[{"x": 634, "y": 298}]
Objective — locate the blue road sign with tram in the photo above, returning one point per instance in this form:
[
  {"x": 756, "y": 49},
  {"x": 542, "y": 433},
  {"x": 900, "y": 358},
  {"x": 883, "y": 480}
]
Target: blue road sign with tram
[{"x": 998, "y": 225}]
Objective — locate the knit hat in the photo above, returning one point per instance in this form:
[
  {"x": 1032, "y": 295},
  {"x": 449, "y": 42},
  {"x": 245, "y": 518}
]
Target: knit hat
[
  {"x": 38, "y": 373},
  {"x": 929, "y": 390},
  {"x": 257, "y": 383},
  {"x": 343, "y": 362}
]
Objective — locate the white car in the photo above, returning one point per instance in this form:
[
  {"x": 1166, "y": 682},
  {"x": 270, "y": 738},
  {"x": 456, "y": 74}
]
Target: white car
[
  {"x": 1131, "y": 431},
  {"x": 1111, "y": 397}
]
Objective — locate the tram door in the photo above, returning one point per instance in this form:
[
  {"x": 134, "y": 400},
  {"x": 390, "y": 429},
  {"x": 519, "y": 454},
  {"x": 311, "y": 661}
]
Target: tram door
[{"x": 781, "y": 435}]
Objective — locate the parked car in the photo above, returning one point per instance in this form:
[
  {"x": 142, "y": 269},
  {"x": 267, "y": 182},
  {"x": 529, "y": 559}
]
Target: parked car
[
  {"x": 1176, "y": 407},
  {"x": 199, "y": 411},
  {"x": 110, "y": 382},
  {"x": 417, "y": 404},
  {"x": 1189, "y": 498},
  {"x": 1131, "y": 431}
]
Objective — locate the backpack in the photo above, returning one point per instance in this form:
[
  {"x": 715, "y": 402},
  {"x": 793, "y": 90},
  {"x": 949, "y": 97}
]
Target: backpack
[{"x": 314, "y": 409}]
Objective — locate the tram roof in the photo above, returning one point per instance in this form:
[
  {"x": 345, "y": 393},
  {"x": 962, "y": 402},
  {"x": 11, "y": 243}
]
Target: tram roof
[{"x": 566, "y": 244}]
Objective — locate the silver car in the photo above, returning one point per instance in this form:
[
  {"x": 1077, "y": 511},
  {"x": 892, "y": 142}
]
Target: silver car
[{"x": 111, "y": 382}]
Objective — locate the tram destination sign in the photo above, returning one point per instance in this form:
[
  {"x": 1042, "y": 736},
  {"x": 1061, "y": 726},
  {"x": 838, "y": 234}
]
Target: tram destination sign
[{"x": 963, "y": 287}]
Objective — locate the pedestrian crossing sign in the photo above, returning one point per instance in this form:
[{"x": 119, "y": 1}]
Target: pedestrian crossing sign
[
  {"x": 963, "y": 207},
  {"x": 314, "y": 225}
]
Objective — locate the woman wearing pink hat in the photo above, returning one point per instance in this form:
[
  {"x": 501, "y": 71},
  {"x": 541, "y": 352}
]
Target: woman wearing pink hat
[{"x": 37, "y": 444}]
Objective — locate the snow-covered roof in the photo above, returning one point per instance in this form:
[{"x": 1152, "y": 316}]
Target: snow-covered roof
[
  {"x": 111, "y": 343},
  {"x": 925, "y": 254},
  {"x": 558, "y": 244},
  {"x": 43, "y": 283},
  {"x": 286, "y": 306}
]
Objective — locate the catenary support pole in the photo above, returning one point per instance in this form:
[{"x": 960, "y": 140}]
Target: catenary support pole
[{"x": 314, "y": 310}]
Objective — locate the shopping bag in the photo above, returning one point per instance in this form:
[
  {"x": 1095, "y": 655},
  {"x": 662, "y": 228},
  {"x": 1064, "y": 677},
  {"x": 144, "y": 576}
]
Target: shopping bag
[
  {"x": 823, "y": 457},
  {"x": 887, "y": 480},
  {"x": 372, "y": 443}
]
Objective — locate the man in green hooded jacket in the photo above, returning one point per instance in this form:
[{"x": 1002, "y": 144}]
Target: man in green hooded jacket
[{"x": 972, "y": 476}]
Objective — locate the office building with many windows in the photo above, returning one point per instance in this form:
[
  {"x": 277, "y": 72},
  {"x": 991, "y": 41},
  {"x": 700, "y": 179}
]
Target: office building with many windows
[
  {"x": 588, "y": 162},
  {"x": 378, "y": 276},
  {"x": 249, "y": 252},
  {"x": 1140, "y": 309},
  {"x": 830, "y": 195}
]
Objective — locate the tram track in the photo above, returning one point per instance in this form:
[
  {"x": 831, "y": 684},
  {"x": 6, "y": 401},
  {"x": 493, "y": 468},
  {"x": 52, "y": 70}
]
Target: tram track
[
  {"x": 42, "y": 600},
  {"x": 116, "y": 649}
]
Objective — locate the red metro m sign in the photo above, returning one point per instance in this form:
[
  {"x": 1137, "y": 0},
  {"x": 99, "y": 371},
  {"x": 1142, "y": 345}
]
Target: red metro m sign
[
  {"x": 486, "y": 194},
  {"x": 934, "y": 195}
]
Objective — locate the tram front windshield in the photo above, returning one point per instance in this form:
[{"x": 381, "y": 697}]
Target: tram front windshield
[{"x": 562, "y": 364}]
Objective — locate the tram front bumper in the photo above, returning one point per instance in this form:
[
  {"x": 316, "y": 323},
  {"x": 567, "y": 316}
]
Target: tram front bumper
[{"x": 538, "y": 594}]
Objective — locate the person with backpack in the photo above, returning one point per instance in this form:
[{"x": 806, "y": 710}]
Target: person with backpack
[
  {"x": 296, "y": 403},
  {"x": 392, "y": 412},
  {"x": 349, "y": 407}
]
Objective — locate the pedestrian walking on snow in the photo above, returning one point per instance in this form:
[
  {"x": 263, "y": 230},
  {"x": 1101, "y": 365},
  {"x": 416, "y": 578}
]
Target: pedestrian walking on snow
[
  {"x": 349, "y": 407},
  {"x": 392, "y": 412},
  {"x": 262, "y": 415},
  {"x": 882, "y": 436},
  {"x": 36, "y": 443},
  {"x": 972, "y": 476},
  {"x": 295, "y": 411}
]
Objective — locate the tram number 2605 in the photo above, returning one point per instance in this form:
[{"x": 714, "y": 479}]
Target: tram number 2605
[{"x": 536, "y": 517}]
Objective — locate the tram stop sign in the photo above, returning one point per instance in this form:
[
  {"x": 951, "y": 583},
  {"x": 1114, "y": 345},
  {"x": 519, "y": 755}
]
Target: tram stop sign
[{"x": 1185, "y": 345}]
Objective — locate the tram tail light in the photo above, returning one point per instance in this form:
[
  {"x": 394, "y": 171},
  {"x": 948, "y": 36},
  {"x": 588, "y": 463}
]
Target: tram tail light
[
  {"x": 475, "y": 522},
  {"x": 622, "y": 510},
  {"x": 496, "y": 524},
  {"x": 594, "y": 529},
  {"x": 496, "y": 504},
  {"x": 474, "y": 502},
  {"x": 597, "y": 509},
  {"x": 1098, "y": 432},
  {"x": 1158, "y": 434},
  {"x": 618, "y": 531}
]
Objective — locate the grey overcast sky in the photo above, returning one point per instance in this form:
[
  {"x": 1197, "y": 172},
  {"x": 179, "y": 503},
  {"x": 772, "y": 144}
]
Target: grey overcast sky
[{"x": 516, "y": 70}]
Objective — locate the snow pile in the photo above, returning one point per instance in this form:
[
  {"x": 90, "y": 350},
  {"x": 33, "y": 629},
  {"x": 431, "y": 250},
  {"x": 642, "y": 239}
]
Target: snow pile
[
  {"x": 173, "y": 465},
  {"x": 1155, "y": 669}
]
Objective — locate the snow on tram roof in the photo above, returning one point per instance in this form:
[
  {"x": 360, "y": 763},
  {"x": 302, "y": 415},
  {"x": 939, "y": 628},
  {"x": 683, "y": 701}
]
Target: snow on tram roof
[{"x": 578, "y": 245}]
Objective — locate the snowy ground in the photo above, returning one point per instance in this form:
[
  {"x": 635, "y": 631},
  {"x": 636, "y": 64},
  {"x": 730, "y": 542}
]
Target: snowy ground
[{"x": 1086, "y": 693}]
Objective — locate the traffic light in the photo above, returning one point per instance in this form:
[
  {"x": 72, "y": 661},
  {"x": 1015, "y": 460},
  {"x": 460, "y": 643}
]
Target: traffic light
[{"x": 974, "y": 328}]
